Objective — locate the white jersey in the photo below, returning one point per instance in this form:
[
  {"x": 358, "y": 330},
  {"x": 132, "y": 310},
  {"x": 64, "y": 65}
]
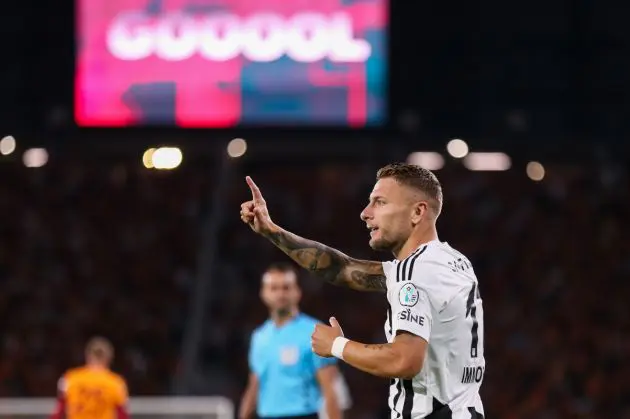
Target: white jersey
[{"x": 434, "y": 294}]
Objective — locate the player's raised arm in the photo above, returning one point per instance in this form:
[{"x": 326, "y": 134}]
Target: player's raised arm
[
  {"x": 330, "y": 264},
  {"x": 324, "y": 261}
]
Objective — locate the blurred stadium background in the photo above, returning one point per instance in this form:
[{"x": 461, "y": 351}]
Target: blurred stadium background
[{"x": 97, "y": 236}]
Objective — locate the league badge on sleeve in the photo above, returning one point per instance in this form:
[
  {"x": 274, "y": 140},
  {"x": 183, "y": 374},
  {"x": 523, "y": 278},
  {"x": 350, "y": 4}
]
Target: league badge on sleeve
[{"x": 409, "y": 295}]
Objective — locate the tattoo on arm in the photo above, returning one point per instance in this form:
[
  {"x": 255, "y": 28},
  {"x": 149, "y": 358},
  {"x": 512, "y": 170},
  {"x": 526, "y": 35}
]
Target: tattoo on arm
[
  {"x": 330, "y": 264},
  {"x": 368, "y": 280},
  {"x": 379, "y": 346}
]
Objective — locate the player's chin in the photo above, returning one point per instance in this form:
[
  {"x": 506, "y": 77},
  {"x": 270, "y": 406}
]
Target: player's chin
[{"x": 380, "y": 245}]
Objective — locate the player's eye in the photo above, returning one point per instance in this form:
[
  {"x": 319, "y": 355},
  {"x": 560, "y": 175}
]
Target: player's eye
[{"x": 376, "y": 202}]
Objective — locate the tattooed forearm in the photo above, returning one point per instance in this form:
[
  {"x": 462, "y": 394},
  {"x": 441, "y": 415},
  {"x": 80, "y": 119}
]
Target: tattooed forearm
[
  {"x": 378, "y": 347},
  {"x": 383, "y": 360},
  {"x": 315, "y": 257},
  {"x": 330, "y": 264}
]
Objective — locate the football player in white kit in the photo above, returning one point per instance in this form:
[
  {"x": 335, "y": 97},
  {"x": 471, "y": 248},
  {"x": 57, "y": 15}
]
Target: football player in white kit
[{"x": 434, "y": 355}]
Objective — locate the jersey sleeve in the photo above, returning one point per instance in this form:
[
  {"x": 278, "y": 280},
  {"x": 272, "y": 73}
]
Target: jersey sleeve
[
  {"x": 62, "y": 386},
  {"x": 389, "y": 269},
  {"x": 411, "y": 310},
  {"x": 121, "y": 394}
]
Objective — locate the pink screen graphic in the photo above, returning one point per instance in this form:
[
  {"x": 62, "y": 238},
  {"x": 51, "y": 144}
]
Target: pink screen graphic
[{"x": 226, "y": 63}]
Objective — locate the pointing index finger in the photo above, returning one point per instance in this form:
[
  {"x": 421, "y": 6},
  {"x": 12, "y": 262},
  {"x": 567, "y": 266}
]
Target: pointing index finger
[{"x": 256, "y": 194}]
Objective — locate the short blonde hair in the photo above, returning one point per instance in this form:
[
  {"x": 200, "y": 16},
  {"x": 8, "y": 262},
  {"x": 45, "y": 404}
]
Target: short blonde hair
[
  {"x": 416, "y": 177},
  {"x": 100, "y": 348}
]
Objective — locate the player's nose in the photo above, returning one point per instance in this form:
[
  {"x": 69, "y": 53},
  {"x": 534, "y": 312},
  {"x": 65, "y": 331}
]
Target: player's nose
[{"x": 365, "y": 214}]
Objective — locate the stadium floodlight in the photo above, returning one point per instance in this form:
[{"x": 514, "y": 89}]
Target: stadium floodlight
[
  {"x": 7, "y": 145},
  {"x": 237, "y": 148},
  {"x": 487, "y": 162},
  {"x": 147, "y": 158},
  {"x": 535, "y": 171},
  {"x": 166, "y": 158},
  {"x": 457, "y": 148},
  {"x": 430, "y": 160},
  {"x": 35, "y": 157}
]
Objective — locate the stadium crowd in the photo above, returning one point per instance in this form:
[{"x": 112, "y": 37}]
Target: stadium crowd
[
  {"x": 93, "y": 250},
  {"x": 89, "y": 250}
]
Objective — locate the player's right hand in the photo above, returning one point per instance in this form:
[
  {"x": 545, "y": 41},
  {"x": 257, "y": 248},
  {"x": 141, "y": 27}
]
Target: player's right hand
[{"x": 254, "y": 212}]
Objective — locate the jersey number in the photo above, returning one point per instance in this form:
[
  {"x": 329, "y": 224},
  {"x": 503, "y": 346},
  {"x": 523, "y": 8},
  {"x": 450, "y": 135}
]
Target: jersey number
[
  {"x": 91, "y": 402},
  {"x": 471, "y": 310}
]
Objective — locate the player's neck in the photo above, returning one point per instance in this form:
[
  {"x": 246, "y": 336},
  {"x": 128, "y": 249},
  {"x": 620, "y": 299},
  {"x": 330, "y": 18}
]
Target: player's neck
[
  {"x": 280, "y": 319},
  {"x": 417, "y": 239},
  {"x": 93, "y": 365}
]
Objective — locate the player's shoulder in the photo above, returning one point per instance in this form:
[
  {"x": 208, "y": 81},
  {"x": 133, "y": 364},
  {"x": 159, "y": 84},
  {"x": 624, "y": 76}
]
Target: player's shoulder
[
  {"x": 261, "y": 329},
  {"x": 404, "y": 270},
  {"x": 442, "y": 255},
  {"x": 87, "y": 371},
  {"x": 68, "y": 377},
  {"x": 441, "y": 258},
  {"x": 116, "y": 378},
  {"x": 71, "y": 376},
  {"x": 437, "y": 269},
  {"x": 73, "y": 373}
]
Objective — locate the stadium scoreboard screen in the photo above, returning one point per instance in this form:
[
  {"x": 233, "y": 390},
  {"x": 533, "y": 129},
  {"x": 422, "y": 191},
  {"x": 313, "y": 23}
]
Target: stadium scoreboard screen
[{"x": 231, "y": 63}]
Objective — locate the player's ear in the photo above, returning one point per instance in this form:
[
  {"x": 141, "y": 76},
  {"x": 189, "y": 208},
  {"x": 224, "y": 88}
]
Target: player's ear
[{"x": 419, "y": 211}]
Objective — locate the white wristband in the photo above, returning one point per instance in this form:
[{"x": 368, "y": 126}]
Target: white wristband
[{"x": 337, "y": 347}]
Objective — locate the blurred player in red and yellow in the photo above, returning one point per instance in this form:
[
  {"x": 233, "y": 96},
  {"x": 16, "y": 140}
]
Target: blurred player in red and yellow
[{"x": 93, "y": 391}]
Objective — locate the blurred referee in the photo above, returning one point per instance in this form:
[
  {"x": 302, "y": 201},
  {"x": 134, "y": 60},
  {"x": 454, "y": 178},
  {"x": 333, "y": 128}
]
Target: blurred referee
[{"x": 287, "y": 380}]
